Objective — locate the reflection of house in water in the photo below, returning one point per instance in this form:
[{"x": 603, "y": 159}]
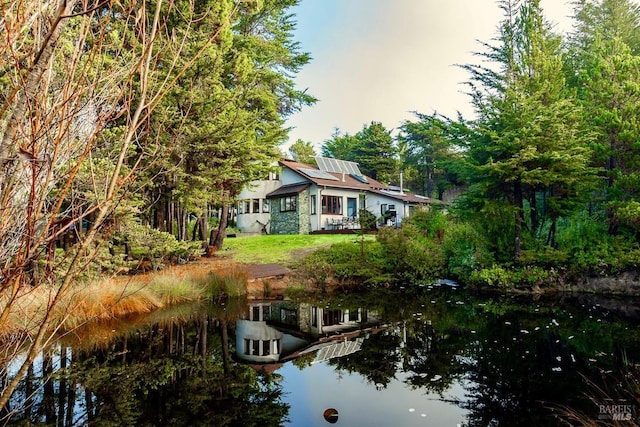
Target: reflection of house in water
[{"x": 273, "y": 330}]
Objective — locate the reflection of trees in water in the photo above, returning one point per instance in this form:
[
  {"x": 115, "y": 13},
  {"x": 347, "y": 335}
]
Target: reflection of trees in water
[
  {"x": 179, "y": 372},
  {"x": 516, "y": 369},
  {"x": 512, "y": 377},
  {"x": 166, "y": 374},
  {"x": 429, "y": 357},
  {"x": 376, "y": 360}
]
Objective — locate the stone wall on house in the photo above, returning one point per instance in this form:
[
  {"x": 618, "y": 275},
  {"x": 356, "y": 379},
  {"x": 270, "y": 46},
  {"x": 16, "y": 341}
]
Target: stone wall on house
[
  {"x": 283, "y": 222},
  {"x": 304, "y": 212},
  {"x": 297, "y": 222}
]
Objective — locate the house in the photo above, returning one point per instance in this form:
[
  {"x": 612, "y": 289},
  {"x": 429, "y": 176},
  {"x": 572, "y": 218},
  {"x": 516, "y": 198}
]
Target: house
[
  {"x": 328, "y": 196},
  {"x": 253, "y": 212},
  {"x": 270, "y": 331}
]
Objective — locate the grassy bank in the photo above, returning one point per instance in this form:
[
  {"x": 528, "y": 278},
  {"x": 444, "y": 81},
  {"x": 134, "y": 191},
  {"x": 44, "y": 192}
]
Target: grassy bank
[{"x": 281, "y": 249}]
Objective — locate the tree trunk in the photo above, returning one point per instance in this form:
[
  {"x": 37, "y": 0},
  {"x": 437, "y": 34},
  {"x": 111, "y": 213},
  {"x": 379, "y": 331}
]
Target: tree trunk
[
  {"x": 222, "y": 227},
  {"x": 518, "y": 202},
  {"x": 201, "y": 225},
  {"x": 533, "y": 214},
  {"x": 551, "y": 237},
  {"x": 226, "y": 357}
]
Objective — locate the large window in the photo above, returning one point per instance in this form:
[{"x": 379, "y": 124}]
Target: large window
[
  {"x": 332, "y": 205},
  {"x": 256, "y": 205},
  {"x": 288, "y": 204}
]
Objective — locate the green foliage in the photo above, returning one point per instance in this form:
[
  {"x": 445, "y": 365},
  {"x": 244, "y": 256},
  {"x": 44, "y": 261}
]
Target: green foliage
[
  {"x": 529, "y": 278},
  {"x": 410, "y": 256},
  {"x": 353, "y": 264},
  {"x": 303, "y": 152},
  {"x": 465, "y": 250},
  {"x": 431, "y": 222},
  {"x": 372, "y": 148},
  {"x": 366, "y": 219},
  {"x": 493, "y": 277},
  {"x": 157, "y": 247},
  {"x": 427, "y": 148},
  {"x": 494, "y": 222}
]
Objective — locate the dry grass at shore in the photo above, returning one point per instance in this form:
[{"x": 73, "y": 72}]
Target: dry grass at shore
[{"x": 122, "y": 297}]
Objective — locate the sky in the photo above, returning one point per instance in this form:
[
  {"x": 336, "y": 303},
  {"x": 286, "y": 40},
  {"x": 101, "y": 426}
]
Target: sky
[{"x": 380, "y": 60}]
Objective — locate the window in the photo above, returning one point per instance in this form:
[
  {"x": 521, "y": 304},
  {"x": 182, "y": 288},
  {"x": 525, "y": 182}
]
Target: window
[
  {"x": 256, "y": 205},
  {"x": 266, "y": 347},
  {"x": 332, "y": 205},
  {"x": 352, "y": 207},
  {"x": 383, "y": 209},
  {"x": 289, "y": 316},
  {"x": 265, "y": 205},
  {"x": 247, "y": 206},
  {"x": 288, "y": 204},
  {"x": 331, "y": 317},
  {"x": 247, "y": 346},
  {"x": 240, "y": 207},
  {"x": 313, "y": 202}
]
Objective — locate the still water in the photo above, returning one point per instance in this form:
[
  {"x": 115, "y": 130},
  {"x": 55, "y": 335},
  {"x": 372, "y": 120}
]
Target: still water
[{"x": 430, "y": 356}]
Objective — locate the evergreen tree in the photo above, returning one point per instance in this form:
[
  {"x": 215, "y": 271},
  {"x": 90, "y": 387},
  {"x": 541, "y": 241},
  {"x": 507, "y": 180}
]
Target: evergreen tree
[
  {"x": 225, "y": 121},
  {"x": 372, "y": 148},
  {"x": 303, "y": 152},
  {"x": 605, "y": 49},
  {"x": 340, "y": 146},
  {"x": 527, "y": 144},
  {"x": 427, "y": 147}
]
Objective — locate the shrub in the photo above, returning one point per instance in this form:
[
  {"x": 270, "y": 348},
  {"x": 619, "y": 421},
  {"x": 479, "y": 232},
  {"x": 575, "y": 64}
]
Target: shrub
[
  {"x": 410, "y": 256},
  {"x": 158, "y": 247},
  {"x": 360, "y": 263},
  {"x": 366, "y": 219},
  {"x": 494, "y": 277},
  {"x": 465, "y": 250},
  {"x": 431, "y": 222}
]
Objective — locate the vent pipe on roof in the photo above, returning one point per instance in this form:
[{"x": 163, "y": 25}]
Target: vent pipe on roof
[
  {"x": 343, "y": 180},
  {"x": 401, "y": 189}
]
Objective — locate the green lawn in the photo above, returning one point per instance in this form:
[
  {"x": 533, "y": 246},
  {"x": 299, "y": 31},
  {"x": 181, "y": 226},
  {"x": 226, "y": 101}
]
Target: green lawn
[{"x": 281, "y": 249}]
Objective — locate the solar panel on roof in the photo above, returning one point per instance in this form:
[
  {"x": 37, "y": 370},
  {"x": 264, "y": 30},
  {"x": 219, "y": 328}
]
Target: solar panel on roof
[
  {"x": 314, "y": 173},
  {"x": 327, "y": 164}
]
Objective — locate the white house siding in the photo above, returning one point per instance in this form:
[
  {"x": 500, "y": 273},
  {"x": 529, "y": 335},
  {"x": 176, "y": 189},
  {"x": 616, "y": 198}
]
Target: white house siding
[
  {"x": 375, "y": 203},
  {"x": 252, "y": 222},
  {"x": 288, "y": 177},
  {"x": 257, "y": 342}
]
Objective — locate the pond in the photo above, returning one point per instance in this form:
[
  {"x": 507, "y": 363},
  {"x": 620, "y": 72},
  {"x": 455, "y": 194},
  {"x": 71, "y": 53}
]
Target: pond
[{"x": 429, "y": 356}]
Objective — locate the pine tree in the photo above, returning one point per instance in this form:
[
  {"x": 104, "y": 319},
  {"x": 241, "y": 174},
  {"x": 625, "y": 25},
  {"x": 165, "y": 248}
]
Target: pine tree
[{"x": 527, "y": 143}]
